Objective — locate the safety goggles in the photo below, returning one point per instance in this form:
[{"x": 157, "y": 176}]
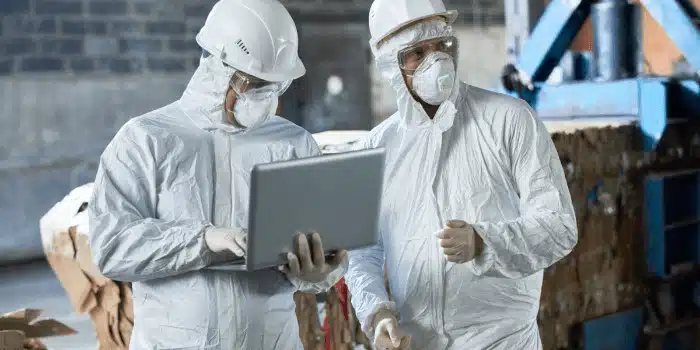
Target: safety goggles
[
  {"x": 256, "y": 88},
  {"x": 411, "y": 57}
]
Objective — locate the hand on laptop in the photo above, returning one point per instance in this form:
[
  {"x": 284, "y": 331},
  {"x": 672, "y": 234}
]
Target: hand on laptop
[
  {"x": 309, "y": 264},
  {"x": 220, "y": 239}
]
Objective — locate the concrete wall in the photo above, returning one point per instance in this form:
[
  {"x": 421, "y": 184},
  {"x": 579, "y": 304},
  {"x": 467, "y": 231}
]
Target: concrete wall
[
  {"x": 73, "y": 71},
  {"x": 52, "y": 131}
]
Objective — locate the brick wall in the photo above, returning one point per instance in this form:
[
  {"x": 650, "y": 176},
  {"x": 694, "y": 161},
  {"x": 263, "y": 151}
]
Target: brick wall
[
  {"x": 137, "y": 36},
  {"x": 104, "y": 36}
]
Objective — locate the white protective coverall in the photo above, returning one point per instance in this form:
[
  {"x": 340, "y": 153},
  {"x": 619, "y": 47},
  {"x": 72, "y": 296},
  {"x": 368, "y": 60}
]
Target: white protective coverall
[
  {"x": 165, "y": 177},
  {"x": 484, "y": 159}
]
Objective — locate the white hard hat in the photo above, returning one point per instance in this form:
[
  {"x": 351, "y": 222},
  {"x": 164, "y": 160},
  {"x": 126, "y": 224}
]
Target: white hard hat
[
  {"x": 257, "y": 37},
  {"x": 388, "y": 16}
]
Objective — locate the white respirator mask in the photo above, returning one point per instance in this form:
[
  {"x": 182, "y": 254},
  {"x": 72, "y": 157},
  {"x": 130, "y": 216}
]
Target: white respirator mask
[
  {"x": 250, "y": 112},
  {"x": 434, "y": 79}
]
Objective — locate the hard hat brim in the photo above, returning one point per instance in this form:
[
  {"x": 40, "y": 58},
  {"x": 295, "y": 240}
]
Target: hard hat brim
[
  {"x": 296, "y": 72},
  {"x": 450, "y": 15}
]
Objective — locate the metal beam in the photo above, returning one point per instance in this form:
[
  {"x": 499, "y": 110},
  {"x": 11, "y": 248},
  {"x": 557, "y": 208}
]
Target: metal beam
[
  {"x": 615, "y": 99},
  {"x": 679, "y": 19},
  {"x": 647, "y": 100},
  {"x": 521, "y": 17},
  {"x": 551, "y": 37},
  {"x": 618, "y": 331}
]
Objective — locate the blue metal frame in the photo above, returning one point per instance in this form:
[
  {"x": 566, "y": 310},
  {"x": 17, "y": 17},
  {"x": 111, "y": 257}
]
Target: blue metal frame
[
  {"x": 672, "y": 226},
  {"x": 563, "y": 19},
  {"x": 645, "y": 100},
  {"x": 521, "y": 17},
  {"x": 622, "y": 331},
  {"x": 652, "y": 103},
  {"x": 551, "y": 37},
  {"x": 587, "y": 99},
  {"x": 654, "y": 214}
]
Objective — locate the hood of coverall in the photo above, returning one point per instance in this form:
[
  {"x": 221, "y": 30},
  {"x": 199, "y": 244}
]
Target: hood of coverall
[
  {"x": 203, "y": 99},
  {"x": 411, "y": 111}
]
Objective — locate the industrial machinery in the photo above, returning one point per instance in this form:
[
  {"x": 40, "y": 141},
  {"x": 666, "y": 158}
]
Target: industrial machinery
[{"x": 609, "y": 84}]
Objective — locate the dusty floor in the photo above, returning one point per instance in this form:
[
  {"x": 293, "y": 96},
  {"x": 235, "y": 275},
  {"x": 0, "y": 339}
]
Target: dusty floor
[{"x": 34, "y": 285}]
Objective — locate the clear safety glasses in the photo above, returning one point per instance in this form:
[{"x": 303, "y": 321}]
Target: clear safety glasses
[
  {"x": 411, "y": 57},
  {"x": 256, "y": 88}
]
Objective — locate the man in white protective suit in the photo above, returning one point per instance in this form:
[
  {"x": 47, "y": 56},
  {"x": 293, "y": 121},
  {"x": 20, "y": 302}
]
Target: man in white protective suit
[
  {"x": 171, "y": 195},
  {"x": 475, "y": 202}
]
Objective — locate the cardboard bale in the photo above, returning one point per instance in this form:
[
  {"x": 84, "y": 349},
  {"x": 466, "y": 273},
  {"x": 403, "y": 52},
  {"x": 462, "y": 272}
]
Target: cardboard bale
[
  {"x": 307, "y": 316},
  {"x": 20, "y": 330},
  {"x": 109, "y": 303},
  {"x": 602, "y": 275},
  {"x": 340, "y": 335},
  {"x": 94, "y": 294}
]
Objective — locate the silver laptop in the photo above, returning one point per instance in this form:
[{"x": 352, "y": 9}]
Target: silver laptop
[{"x": 335, "y": 195}]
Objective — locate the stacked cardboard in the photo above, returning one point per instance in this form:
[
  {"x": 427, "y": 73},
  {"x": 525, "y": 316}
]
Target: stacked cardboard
[
  {"x": 108, "y": 303},
  {"x": 342, "y": 329},
  {"x": 359, "y": 338},
  {"x": 307, "y": 316},
  {"x": 604, "y": 273},
  {"x": 20, "y": 330}
]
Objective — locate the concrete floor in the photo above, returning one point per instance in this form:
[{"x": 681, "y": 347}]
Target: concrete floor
[{"x": 34, "y": 285}]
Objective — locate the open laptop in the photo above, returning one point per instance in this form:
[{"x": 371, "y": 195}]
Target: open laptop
[{"x": 335, "y": 195}]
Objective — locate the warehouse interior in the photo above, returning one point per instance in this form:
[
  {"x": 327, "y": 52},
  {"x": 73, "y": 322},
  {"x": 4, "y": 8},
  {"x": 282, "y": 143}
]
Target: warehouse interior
[{"x": 616, "y": 82}]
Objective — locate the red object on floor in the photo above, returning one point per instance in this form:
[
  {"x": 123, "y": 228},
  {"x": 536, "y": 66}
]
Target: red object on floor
[{"x": 342, "y": 289}]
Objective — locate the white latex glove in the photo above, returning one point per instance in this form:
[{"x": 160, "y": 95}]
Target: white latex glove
[
  {"x": 309, "y": 264},
  {"x": 459, "y": 242},
  {"x": 387, "y": 334},
  {"x": 220, "y": 239}
]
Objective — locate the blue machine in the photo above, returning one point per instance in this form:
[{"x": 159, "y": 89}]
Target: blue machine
[{"x": 657, "y": 104}]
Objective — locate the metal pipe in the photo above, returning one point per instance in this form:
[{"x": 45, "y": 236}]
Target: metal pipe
[{"x": 617, "y": 44}]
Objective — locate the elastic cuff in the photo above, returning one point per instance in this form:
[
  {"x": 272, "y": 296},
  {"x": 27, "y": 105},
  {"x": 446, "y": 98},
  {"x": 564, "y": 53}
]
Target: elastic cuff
[
  {"x": 322, "y": 286},
  {"x": 486, "y": 259},
  {"x": 206, "y": 256}
]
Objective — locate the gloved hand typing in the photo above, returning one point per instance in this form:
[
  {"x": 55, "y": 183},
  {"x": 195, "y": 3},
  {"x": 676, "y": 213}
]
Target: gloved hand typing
[
  {"x": 387, "y": 334},
  {"x": 220, "y": 239},
  {"x": 460, "y": 243},
  {"x": 309, "y": 264}
]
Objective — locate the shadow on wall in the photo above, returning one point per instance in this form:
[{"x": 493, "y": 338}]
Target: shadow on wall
[{"x": 482, "y": 54}]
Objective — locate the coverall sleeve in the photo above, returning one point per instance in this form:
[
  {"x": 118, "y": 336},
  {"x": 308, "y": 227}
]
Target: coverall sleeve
[
  {"x": 365, "y": 277},
  {"x": 309, "y": 148},
  {"x": 365, "y": 281},
  {"x": 546, "y": 230},
  {"x": 127, "y": 240}
]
